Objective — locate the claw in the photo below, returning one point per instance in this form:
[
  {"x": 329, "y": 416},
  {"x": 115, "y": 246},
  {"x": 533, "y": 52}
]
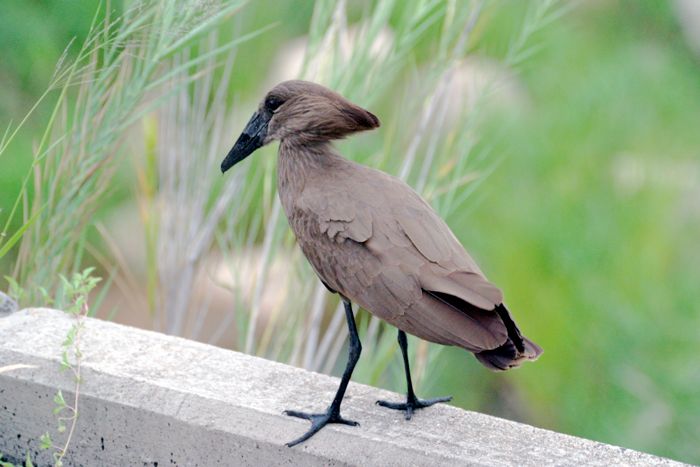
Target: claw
[
  {"x": 318, "y": 421},
  {"x": 412, "y": 404}
]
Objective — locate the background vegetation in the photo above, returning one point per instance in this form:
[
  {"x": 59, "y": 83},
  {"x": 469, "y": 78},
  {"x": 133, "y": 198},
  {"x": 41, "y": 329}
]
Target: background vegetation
[{"x": 570, "y": 168}]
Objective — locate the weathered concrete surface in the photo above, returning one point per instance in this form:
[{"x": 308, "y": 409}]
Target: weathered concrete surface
[{"x": 152, "y": 399}]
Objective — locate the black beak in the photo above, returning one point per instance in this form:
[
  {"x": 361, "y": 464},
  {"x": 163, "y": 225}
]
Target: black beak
[{"x": 252, "y": 138}]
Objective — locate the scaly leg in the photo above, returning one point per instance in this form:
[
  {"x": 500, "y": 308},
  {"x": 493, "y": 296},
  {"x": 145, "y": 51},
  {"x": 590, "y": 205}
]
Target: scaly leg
[
  {"x": 412, "y": 402},
  {"x": 332, "y": 414}
]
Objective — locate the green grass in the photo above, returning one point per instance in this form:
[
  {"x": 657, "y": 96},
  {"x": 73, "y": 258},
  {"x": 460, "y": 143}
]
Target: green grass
[{"x": 590, "y": 224}]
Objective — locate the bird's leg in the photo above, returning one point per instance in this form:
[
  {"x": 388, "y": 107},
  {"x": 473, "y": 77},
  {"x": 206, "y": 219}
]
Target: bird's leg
[
  {"x": 412, "y": 402},
  {"x": 332, "y": 414}
]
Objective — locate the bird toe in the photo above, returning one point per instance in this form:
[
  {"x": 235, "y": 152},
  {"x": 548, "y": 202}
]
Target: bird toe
[{"x": 412, "y": 404}]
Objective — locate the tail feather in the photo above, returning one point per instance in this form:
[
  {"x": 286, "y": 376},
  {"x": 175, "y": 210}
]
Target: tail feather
[
  {"x": 514, "y": 351},
  {"x": 507, "y": 356}
]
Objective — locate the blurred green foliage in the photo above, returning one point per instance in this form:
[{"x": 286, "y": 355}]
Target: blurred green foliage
[
  {"x": 590, "y": 222},
  {"x": 591, "y": 225}
]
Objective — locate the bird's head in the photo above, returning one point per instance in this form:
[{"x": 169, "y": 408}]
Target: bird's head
[{"x": 304, "y": 111}]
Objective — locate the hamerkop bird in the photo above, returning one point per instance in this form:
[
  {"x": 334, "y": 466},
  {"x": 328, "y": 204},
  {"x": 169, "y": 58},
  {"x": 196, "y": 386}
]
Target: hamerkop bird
[{"x": 374, "y": 241}]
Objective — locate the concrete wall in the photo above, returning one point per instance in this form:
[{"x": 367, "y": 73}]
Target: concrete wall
[{"x": 152, "y": 399}]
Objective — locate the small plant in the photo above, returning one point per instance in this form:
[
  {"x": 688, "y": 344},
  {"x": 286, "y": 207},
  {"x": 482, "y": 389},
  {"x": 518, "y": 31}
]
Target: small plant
[
  {"x": 27, "y": 461},
  {"x": 74, "y": 294}
]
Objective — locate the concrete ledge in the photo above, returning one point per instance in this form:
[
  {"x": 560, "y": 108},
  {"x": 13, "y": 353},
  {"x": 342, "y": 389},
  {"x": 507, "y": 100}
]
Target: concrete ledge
[{"x": 152, "y": 399}]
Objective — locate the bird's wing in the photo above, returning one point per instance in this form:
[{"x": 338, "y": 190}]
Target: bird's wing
[
  {"x": 402, "y": 230},
  {"x": 378, "y": 243},
  {"x": 448, "y": 267}
]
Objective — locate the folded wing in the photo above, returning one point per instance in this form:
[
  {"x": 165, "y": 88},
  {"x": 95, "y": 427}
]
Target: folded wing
[{"x": 397, "y": 258}]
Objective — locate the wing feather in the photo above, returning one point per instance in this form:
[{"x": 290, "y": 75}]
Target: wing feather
[{"x": 385, "y": 248}]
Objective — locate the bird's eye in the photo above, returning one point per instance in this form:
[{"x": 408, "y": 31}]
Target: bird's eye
[{"x": 272, "y": 103}]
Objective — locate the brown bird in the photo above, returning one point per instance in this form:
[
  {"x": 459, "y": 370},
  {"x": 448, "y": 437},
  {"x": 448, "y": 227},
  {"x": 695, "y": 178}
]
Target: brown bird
[{"x": 374, "y": 241}]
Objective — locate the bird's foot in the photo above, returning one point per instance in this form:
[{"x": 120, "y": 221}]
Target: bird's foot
[
  {"x": 318, "y": 421},
  {"x": 412, "y": 404}
]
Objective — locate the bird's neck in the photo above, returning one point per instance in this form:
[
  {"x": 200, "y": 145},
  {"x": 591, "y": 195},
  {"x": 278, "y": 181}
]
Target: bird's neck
[{"x": 298, "y": 161}]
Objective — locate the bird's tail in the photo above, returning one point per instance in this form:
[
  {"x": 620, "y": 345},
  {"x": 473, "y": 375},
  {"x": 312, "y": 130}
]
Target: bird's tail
[{"x": 513, "y": 352}]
